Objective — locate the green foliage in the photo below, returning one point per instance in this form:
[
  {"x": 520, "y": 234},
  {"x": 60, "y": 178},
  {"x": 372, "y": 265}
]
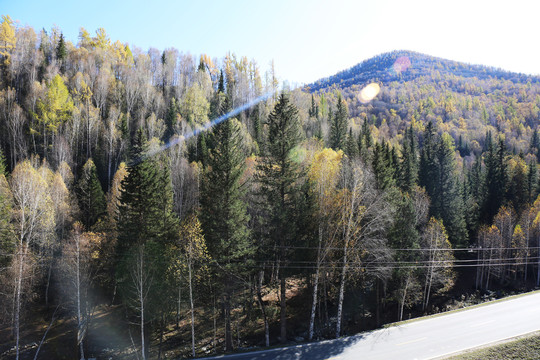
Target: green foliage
[
  {"x": 278, "y": 173},
  {"x": 90, "y": 194},
  {"x": 383, "y": 166},
  {"x": 495, "y": 181},
  {"x": 223, "y": 208},
  {"x": 351, "y": 147},
  {"x": 339, "y": 126},
  {"x": 61, "y": 51},
  {"x": 409, "y": 162},
  {"x": 170, "y": 120},
  {"x": 145, "y": 210}
]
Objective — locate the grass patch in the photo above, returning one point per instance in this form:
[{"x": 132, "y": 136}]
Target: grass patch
[{"x": 526, "y": 347}]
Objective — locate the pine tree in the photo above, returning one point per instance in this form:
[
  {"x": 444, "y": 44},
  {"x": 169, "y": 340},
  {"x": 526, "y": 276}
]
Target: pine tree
[
  {"x": 90, "y": 194},
  {"x": 409, "y": 162},
  {"x": 518, "y": 189},
  {"x": 534, "y": 146},
  {"x": 447, "y": 200},
  {"x": 339, "y": 125},
  {"x": 382, "y": 167},
  {"x": 170, "y": 120},
  {"x": 61, "y": 51},
  {"x": 495, "y": 180},
  {"x": 473, "y": 197},
  {"x": 404, "y": 235},
  {"x": 314, "y": 109},
  {"x": 279, "y": 174},
  {"x": 224, "y": 212},
  {"x": 532, "y": 181},
  {"x": 145, "y": 211},
  {"x": 147, "y": 227},
  {"x": 428, "y": 168},
  {"x": 366, "y": 134},
  {"x": 351, "y": 147}
]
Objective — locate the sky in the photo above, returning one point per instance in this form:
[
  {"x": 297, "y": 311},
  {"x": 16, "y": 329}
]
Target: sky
[{"x": 307, "y": 40}]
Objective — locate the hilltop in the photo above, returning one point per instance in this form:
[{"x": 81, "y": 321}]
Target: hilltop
[
  {"x": 405, "y": 65},
  {"x": 464, "y": 100}
]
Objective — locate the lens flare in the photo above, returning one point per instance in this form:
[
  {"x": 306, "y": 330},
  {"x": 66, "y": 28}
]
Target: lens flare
[
  {"x": 402, "y": 64},
  {"x": 205, "y": 127},
  {"x": 369, "y": 92}
]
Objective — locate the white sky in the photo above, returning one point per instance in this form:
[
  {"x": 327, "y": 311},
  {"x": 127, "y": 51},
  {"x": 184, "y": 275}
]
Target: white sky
[{"x": 307, "y": 39}]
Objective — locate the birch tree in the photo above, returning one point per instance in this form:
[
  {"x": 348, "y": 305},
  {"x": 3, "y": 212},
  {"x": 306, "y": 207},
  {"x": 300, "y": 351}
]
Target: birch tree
[
  {"x": 34, "y": 217},
  {"x": 76, "y": 269},
  {"x": 439, "y": 260},
  {"x": 323, "y": 173},
  {"x": 194, "y": 254}
]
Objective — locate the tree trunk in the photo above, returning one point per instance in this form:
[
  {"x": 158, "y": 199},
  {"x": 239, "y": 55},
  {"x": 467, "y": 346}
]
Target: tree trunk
[
  {"x": 80, "y": 331},
  {"x": 377, "y": 302},
  {"x": 18, "y": 291},
  {"x": 46, "y": 332},
  {"x": 161, "y": 326},
  {"x": 283, "y": 308},
  {"x": 402, "y": 300},
  {"x": 227, "y": 313},
  {"x": 192, "y": 312},
  {"x": 263, "y": 310},
  {"x": 214, "y": 342},
  {"x": 341, "y": 293},
  {"x": 141, "y": 301},
  {"x": 179, "y": 305},
  {"x": 48, "y": 283},
  {"x": 315, "y": 288}
]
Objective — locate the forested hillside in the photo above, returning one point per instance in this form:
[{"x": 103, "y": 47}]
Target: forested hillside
[{"x": 307, "y": 214}]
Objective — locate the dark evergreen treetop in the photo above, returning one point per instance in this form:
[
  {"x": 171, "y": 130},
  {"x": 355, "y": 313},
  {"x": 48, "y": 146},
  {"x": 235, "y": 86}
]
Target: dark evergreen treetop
[
  {"x": 339, "y": 126},
  {"x": 145, "y": 211},
  {"x": 90, "y": 194},
  {"x": 223, "y": 209}
]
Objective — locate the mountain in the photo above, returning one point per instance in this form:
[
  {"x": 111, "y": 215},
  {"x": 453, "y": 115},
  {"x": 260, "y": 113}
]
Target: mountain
[
  {"x": 404, "y": 65},
  {"x": 464, "y": 100}
]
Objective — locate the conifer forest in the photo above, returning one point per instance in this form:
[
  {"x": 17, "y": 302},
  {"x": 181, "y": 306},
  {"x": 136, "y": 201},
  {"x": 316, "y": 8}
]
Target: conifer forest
[{"x": 156, "y": 205}]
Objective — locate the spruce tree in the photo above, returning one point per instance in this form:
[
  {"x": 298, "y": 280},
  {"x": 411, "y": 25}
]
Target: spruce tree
[
  {"x": 61, "y": 52},
  {"x": 495, "y": 180},
  {"x": 145, "y": 211},
  {"x": 147, "y": 227},
  {"x": 518, "y": 189},
  {"x": 339, "y": 126},
  {"x": 351, "y": 148},
  {"x": 428, "y": 168},
  {"x": 403, "y": 236},
  {"x": 532, "y": 181},
  {"x": 382, "y": 167},
  {"x": 447, "y": 200},
  {"x": 170, "y": 120},
  {"x": 90, "y": 194},
  {"x": 224, "y": 211},
  {"x": 409, "y": 162},
  {"x": 366, "y": 134},
  {"x": 278, "y": 178}
]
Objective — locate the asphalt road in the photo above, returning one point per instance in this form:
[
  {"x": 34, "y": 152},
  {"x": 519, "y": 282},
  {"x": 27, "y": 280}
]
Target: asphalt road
[{"x": 423, "y": 339}]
